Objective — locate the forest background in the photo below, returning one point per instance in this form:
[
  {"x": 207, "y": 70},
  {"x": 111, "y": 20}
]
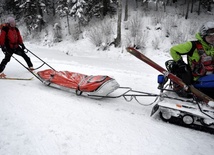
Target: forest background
[{"x": 103, "y": 22}]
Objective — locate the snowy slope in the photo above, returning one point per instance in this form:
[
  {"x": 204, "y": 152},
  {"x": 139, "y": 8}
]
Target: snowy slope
[{"x": 38, "y": 120}]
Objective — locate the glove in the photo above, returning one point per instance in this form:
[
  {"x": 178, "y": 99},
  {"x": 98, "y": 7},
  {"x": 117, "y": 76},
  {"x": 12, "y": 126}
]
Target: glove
[
  {"x": 22, "y": 46},
  {"x": 182, "y": 67},
  {"x": 4, "y": 49},
  {"x": 180, "y": 63}
]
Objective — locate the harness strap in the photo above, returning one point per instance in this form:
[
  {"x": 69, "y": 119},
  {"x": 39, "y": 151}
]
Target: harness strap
[
  {"x": 201, "y": 67},
  {"x": 200, "y": 48}
]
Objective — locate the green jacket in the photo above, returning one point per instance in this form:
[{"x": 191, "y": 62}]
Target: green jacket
[{"x": 183, "y": 49}]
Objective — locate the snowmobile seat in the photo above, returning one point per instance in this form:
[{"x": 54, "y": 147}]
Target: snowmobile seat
[{"x": 206, "y": 85}]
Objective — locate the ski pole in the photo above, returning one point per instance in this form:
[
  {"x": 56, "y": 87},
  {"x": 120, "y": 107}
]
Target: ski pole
[{"x": 40, "y": 59}]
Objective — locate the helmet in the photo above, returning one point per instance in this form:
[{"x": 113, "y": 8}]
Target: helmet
[
  {"x": 207, "y": 29},
  {"x": 11, "y": 21}
]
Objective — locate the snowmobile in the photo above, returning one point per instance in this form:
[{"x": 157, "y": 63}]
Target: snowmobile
[
  {"x": 189, "y": 107},
  {"x": 188, "y": 111}
]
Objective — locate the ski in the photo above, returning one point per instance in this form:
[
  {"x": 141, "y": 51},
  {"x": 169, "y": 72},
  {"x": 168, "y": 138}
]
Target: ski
[
  {"x": 208, "y": 100},
  {"x": 16, "y": 78}
]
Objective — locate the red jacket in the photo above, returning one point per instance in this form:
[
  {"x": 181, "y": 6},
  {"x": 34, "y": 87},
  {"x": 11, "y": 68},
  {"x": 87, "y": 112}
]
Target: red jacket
[{"x": 12, "y": 35}]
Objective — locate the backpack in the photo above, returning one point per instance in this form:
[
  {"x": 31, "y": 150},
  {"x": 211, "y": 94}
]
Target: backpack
[
  {"x": 5, "y": 27},
  {"x": 2, "y": 25}
]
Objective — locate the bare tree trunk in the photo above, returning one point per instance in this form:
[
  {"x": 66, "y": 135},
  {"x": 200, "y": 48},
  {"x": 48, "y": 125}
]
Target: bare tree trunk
[
  {"x": 164, "y": 5},
  {"x": 118, "y": 39},
  {"x": 126, "y": 11},
  {"x": 147, "y": 4},
  {"x": 136, "y": 4},
  {"x": 192, "y": 6},
  {"x": 209, "y": 8},
  {"x": 67, "y": 16},
  {"x": 157, "y": 1},
  {"x": 187, "y": 12},
  {"x": 105, "y": 6},
  {"x": 199, "y": 7},
  {"x": 38, "y": 13},
  {"x": 53, "y": 9}
]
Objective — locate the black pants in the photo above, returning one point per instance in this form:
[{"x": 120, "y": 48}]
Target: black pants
[{"x": 8, "y": 55}]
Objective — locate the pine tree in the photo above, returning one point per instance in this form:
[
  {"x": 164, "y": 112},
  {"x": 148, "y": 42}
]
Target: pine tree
[
  {"x": 63, "y": 9},
  {"x": 78, "y": 11},
  {"x": 11, "y": 7},
  {"x": 32, "y": 11}
]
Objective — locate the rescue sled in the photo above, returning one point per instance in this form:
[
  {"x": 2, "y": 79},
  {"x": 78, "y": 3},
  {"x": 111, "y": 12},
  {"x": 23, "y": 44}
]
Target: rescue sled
[
  {"x": 93, "y": 86},
  {"x": 81, "y": 84}
]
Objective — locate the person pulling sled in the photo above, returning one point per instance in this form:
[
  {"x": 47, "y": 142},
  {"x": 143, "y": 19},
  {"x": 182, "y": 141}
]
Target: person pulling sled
[
  {"x": 200, "y": 59},
  {"x": 11, "y": 42}
]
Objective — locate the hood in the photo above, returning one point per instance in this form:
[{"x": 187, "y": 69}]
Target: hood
[{"x": 201, "y": 40}]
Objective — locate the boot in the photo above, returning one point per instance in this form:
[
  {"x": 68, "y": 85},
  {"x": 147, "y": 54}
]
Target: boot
[
  {"x": 31, "y": 69},
  {"x": 2, "y": 75}
]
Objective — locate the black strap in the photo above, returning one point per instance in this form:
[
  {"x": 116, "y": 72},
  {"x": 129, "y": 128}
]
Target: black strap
[
  {"x": 190, "y": 53},
  {"x": 6, "y": 29},
  {"x": 200, "y": 49},
  {"x": 196, "y": 45}
]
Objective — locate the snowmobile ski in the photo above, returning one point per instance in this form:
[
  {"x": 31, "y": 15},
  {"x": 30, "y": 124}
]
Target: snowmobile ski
[
  {"x": 205, "y": 98},
  {"x": 16, "y": 78}
]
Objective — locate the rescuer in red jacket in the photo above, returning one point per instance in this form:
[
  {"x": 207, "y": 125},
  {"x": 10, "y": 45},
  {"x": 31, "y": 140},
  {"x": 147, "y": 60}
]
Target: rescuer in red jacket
[{"x": 11, "y": 42}]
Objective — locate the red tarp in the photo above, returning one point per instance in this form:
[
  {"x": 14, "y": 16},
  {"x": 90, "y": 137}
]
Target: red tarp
[{"x": 73, "y": 80}]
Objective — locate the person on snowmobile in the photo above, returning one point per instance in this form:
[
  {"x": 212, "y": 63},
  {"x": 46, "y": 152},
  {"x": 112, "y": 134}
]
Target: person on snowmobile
[
  {"x": 11, "y": 42},
  {"x": 200, "y": 54}
]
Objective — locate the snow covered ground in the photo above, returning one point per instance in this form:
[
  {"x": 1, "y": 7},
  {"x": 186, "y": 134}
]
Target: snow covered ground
[{"x": 39, "y": 120}]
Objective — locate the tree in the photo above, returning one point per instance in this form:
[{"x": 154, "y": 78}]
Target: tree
[
  {"x": 119, "y": 12},
  {"x": 78, "y": 11},
  {"x": 11, "y": 6},
  {"x": 126, "y": 11},
  {"x": 199, "y": 7},
  {"x": 63, "y": 9},
  {"x": 187, "y": 11},
  {"x": 207, "y": 4},
  {"x": 32, "y": 11}
]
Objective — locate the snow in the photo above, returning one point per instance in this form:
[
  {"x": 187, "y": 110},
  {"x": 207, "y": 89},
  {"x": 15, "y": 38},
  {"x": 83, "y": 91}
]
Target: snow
[
  {"x": 39, "y": 120},
  {"x": 211, "y": 103}
]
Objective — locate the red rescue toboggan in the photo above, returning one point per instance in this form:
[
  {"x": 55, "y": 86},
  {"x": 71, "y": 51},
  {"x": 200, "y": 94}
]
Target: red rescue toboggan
[{"x": 81, "y": 84}]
